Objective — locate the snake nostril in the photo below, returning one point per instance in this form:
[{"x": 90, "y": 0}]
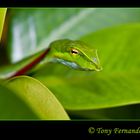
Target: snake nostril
[{"x": 95, "y": 60}]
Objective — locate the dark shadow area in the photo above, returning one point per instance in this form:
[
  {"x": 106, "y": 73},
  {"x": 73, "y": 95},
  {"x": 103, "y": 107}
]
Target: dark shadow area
[{"x": 127, "y": 112}]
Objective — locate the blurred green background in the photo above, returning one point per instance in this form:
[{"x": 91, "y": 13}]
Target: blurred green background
[{"x": 113, "y": 93}]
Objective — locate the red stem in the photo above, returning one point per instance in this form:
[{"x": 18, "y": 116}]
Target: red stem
[{"x": 32, "y": 64}]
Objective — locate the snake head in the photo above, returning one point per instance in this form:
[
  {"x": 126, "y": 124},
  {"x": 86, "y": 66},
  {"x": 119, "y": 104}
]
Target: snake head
[{"x": 76, "y": 54}]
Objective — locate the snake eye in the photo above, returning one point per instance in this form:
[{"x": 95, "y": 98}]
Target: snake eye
[{"x": 74, "y": 51}]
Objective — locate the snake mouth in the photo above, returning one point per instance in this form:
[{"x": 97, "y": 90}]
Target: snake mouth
[{"x": 98, "y": 68}]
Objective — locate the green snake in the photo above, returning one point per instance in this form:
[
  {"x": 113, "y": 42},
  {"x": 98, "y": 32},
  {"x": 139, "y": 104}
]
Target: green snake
[{"x": 74, "y": 54}]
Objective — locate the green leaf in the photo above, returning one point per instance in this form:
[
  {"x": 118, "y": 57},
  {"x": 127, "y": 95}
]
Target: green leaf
[
  {"x": 34, "y": 29},
  {"x": 2, "y": 18},
  {"x": 127, "y": 112},
  {"x": 12, "y": 107},
  {"x": 116, "y": 85},
  {"x": 38, "y": 98}
]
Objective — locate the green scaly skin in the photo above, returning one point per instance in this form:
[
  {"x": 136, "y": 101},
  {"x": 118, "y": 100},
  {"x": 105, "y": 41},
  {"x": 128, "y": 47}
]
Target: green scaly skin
[{"x": 75, "y": 54}]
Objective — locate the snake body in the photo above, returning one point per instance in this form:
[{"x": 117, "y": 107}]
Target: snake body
[{"x": 75, "y": 54}]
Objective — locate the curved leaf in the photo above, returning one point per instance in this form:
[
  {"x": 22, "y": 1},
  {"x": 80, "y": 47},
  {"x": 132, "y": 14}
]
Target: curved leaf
[
  {"x": 12, "y": 107},
  {"x": 116, "y": 85},
  {"x": 38, "y": 98}
]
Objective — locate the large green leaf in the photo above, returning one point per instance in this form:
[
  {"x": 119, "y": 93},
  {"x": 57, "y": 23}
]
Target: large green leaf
[
  {"x": 12, "y": 107},
  {"x": 30, "y": 30},
  {"x": 116, "y": 85},
  {"x": 2, "y": 18},
  {"x": 38, "y": 98}
]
